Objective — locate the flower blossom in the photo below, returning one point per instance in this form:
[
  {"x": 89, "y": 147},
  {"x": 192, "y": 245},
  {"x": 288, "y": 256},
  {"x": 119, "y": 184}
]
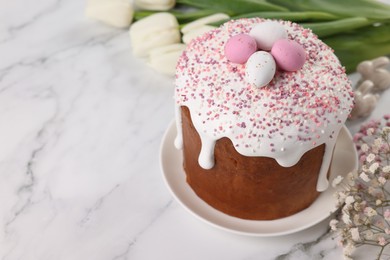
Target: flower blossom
[
  {"x": 346, "y": 218},
  {"x": 336, "y": 181},
  {"x": 386, "y": 214},
  {"x": 333, "y": 224},
  {"x": 364, "y": 177},
  {"x": 370, "y": 212},
  {"x": 164, "y": 59},
  {"x": 200, "y": 26},
  {"x": 117, "y": 13},
  {"x": 364, "y": 147},
  {"x": 374, "y": 167},
  {"x": 355, "y": 234},
  {"x": 370, "y": 157},
  {"x": 382, "y": 180},
  {"x": 349, "y": 200},
  {"x": 154, "y": 31},
  {"x": 381, "y": 241}
]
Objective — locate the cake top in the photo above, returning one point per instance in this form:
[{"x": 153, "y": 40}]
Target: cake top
[{"x": 295, "y": 112}]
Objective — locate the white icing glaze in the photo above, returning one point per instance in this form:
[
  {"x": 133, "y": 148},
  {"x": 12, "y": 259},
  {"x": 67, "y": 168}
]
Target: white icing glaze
[
  {"x": 323, "y": 183},
  {"x": 295, "y": 113},
  {"x": 179, "y": 135},
  {"x": 206, "y": 156}
]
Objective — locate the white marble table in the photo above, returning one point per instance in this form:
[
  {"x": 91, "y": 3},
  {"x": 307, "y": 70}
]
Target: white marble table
[{"x": 81, "y": 121}]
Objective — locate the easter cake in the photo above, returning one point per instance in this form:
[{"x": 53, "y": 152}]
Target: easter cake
[{"x": 259, "y": 105}]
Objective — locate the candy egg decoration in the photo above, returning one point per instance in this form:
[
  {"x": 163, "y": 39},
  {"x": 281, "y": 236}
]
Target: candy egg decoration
[
  {"x": 239, "y": 48},
  {"x": 289, "y": 55},
  {"x": 260, "y": 69},
  {"x": 264, "y": 49},
  {"x": 267, "y": 33}
]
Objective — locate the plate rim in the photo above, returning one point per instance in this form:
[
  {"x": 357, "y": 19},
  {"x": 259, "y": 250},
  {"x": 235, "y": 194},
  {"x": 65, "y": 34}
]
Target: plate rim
[{"x": 164, "y": 142}]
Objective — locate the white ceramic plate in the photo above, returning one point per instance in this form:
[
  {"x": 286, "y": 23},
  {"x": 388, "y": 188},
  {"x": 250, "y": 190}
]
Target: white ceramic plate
[{"x": 344, "y": 160}]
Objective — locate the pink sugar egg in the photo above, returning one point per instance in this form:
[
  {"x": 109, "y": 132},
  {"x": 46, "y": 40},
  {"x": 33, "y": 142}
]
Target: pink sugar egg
[
  {"x": 239, "y": 48},
  {"x": 289, "y": 55}
]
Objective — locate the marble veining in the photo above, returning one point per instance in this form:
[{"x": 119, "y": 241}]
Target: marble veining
[{"x": 81, "y": 121}]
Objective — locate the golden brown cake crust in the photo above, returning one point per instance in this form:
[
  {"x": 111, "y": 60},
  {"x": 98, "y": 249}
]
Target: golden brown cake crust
[{"x": 255, "y": 188}]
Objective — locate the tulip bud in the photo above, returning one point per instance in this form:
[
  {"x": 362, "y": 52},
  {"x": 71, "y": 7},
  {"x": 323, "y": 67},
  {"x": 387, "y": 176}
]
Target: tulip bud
[
  {"x": 164, "y": 59},
  {"x": 155, "y": 5},
  {"x": 154, "y": 31},
  {"x": 117, "y": 13},
  {"x": 197, "y": 32},
  {"x": 204, "y": 21}
]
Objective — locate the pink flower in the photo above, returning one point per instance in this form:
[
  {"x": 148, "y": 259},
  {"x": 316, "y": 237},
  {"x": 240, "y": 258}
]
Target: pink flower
[
  {"x": 374, "y": 167},
  {"x": 357, "y": 137},
  {"x": 384, "y": 148},
  {"x": 382, "y": 180},
  {"x": 364, "y": 147},
  {"x": 355, "y": 234},
  {"x": 364, "y": 177},
  {"x": 366, "y": 193},
  {"x": 386, "y": 214},
  {"x": 370, "y": 157},
  {"x": 370, "y": 131},
  {"x": 333, "y": 224},
  {"x": 370, "y": 212},
  {"x": 381, "y": 241}
]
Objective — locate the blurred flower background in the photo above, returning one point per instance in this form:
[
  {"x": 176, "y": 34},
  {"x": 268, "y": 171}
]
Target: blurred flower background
[{"x": 357, "y": 30}]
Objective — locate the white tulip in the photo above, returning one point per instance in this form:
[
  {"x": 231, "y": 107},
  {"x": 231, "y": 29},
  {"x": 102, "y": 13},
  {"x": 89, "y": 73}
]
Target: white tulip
[
  {"x": 154, "y": 31},
  {"x": 187, "y": 37},
  {"x": 156, "y": 5},
  {"x": 118, "y": 13},
  {"x": 164, "y": 59},
  {"x": 204, "y": 21}
]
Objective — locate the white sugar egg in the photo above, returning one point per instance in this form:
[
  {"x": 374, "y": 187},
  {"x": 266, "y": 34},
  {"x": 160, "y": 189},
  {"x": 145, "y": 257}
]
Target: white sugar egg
[
  {"x": 260, "y": 68},
  {"x": 267, "y": 33}
]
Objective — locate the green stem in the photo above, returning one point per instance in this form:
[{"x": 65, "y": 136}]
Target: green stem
[
  {"x": 291, "y": 16},
  {"x": 233, "y": 7},
  {"x": 345, "y": 8},
  {"x": 323, "y": 29},
  {"x": 362, "y": 44},
  {"x": 288, "y": 16}
]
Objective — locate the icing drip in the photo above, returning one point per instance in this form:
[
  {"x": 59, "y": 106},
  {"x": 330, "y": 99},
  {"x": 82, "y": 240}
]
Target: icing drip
[
  {"x": 285, "y": 159},
  {"x": 323, "y": 183},
  {"x": 179, "y": 129},
  {"x": 206, "y": 156}
]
